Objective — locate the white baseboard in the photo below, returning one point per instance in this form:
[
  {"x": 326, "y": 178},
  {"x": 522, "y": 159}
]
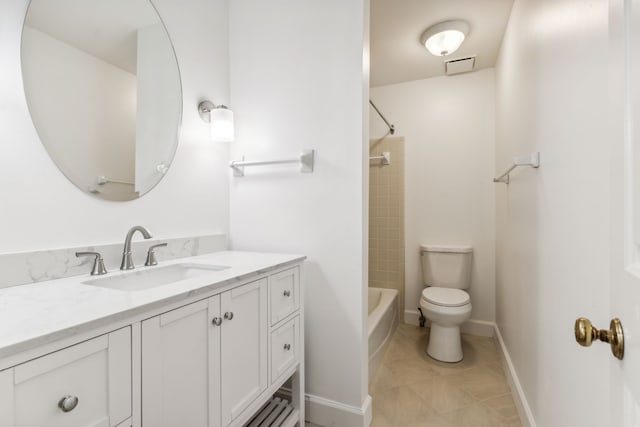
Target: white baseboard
[
  {"x": 480, "y": 328},
  {"x": 412, "y": 317},
  {"x": 367, "y": 408},
  {"x": 329, "y": 413},
  {"x": 526, "y": 416}
]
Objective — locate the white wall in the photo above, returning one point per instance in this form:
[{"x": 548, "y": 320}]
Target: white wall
[
  {"x": 41, "y": 209},
  {"x": 449, "y": 128},
  {"x": 553, "y": 223},
  {"x": 297, "y": 82}
]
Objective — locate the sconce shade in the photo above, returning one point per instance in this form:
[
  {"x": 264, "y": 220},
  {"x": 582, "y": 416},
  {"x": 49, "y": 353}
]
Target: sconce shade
[
  {"x": 444, "y": 38},
  {"x": 221, "y": 119},
  {"x": 222, "y": 127}
]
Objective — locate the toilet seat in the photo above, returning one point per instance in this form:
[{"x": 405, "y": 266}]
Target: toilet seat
[{"x": 445, "y": 297}]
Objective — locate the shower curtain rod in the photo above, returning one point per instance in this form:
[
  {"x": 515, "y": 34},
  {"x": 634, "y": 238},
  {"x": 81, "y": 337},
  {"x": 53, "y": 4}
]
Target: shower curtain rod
[{"x": 392, "y": 128}]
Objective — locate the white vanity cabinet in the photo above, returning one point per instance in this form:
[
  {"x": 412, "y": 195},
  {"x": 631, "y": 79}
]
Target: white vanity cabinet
[
  {"x": 85, "y": 385},
  {"x": 204, "y": 363},
  {"x": 212, "y": 354}
]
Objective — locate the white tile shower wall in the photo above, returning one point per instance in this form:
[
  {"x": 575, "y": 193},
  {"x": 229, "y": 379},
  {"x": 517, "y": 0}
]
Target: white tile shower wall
[
  {"x": 28, "y": 267},
  {"x": 448, "y": 124},
  {"x": 41, "y": 209}
]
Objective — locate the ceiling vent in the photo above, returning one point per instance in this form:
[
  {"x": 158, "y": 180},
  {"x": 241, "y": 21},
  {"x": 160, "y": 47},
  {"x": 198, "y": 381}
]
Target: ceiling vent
[{"x": 459, "y": 66}]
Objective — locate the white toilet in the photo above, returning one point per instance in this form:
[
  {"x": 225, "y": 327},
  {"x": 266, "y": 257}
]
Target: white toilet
[{"x": 446, "y": 271}]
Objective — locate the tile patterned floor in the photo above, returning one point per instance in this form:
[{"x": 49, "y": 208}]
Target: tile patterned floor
[{"x": 413, "y": 390}]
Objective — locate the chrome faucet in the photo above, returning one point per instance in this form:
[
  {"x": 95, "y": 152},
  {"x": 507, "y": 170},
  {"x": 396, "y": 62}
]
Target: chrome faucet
[
  {"x": 98, "y": 267},
  {"x": 127, "y": 260},
  {"x": 151, "y": 254}
]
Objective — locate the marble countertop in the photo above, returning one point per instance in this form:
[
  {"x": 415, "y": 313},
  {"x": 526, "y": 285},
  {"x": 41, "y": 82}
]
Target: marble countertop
[{"x": 36, "y": 314}]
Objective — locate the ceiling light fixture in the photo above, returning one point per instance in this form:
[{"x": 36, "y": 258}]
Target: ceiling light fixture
[{"x": 445, "y": 37}]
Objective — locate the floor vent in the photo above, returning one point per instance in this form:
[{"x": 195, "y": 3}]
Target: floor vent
[
  {"x": 459, "y": 66},
  {"x": 276, "y": 412}
]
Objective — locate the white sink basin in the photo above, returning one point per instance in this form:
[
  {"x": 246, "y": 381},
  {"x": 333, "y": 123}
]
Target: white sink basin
[{"x": 142, "y": 279}]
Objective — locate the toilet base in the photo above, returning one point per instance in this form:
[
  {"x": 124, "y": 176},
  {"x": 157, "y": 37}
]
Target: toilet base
[{"x": 445, "y": 343}]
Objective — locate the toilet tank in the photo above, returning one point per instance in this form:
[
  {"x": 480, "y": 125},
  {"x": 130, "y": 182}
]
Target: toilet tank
[{"x": 446, "y": 266}]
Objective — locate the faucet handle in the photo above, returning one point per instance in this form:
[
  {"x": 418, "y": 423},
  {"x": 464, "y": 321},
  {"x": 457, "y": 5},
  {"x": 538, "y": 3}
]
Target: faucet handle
[
  {"x": 151, "y": 255},
  {"x": 98, "y": 268}
]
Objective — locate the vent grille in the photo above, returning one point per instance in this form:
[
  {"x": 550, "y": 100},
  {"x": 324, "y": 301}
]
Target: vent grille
[{"x": 459, "y": 66}]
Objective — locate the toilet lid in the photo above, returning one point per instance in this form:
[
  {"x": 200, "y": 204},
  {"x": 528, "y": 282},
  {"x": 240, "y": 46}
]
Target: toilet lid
[{"x": 446, "y": 297}]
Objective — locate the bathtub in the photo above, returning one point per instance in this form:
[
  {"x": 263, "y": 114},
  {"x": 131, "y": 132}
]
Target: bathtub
[{"x": 382, "y": 320}]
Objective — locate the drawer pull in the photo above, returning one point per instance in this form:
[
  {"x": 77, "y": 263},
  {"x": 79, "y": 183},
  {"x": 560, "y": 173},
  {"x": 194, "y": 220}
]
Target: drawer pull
[
  {"x": 228, "y": 315},
  {"x": 68, "y": 403},
  {"x": 287, "y": 347},
  {"x": 287, "y": 293},
  {"x": 216, "y": 321}
]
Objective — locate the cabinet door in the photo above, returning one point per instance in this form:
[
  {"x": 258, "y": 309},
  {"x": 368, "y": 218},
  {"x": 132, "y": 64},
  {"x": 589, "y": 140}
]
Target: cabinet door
[
  {"x": 180, "y": 367},
  {"x": 285, "y": 294},
  {"x": 93, "y": 378},
  {"x": 243, "y": 347},
  {"x": 285, "y": 348}
]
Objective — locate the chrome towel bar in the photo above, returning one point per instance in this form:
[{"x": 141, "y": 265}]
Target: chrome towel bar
[
  {"x": 385, "y": 158},
  {"x": 532, "y": 160},
  {"x": 305, "y": 159},
  {"x": 102, "y": 180}
]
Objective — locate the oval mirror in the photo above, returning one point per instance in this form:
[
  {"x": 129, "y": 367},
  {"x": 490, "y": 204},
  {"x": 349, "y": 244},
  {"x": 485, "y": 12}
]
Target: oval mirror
[{"x": 102, "y": 84}]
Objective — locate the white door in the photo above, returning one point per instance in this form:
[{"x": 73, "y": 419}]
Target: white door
[{"x": 624, "y": 29}]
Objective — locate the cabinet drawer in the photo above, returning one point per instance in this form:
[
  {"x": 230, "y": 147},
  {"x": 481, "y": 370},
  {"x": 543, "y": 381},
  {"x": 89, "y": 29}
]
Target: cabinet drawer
[
  {"x": 284, "y": 292},
  {"x": 285, "y": 342},
  {"x": 96, "y": 372}
]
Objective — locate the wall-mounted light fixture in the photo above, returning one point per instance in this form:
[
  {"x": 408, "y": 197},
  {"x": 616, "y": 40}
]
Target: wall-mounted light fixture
[
  {"x": 221, "y": 119},
  {"x": 445, "y": 37}
]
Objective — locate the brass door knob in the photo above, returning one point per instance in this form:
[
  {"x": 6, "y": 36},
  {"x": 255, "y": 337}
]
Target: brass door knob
[{"x": 586, "y": 334}]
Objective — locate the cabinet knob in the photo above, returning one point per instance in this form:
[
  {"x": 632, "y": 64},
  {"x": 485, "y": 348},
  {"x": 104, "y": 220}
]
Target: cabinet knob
[
  {"x": 68, "y": 403},
  {"x": 228, "y": 315},
  {"x": 287, "y": 347},
  {"x": 287, "y": 293},
  {"x": 216, "y": 321}
]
